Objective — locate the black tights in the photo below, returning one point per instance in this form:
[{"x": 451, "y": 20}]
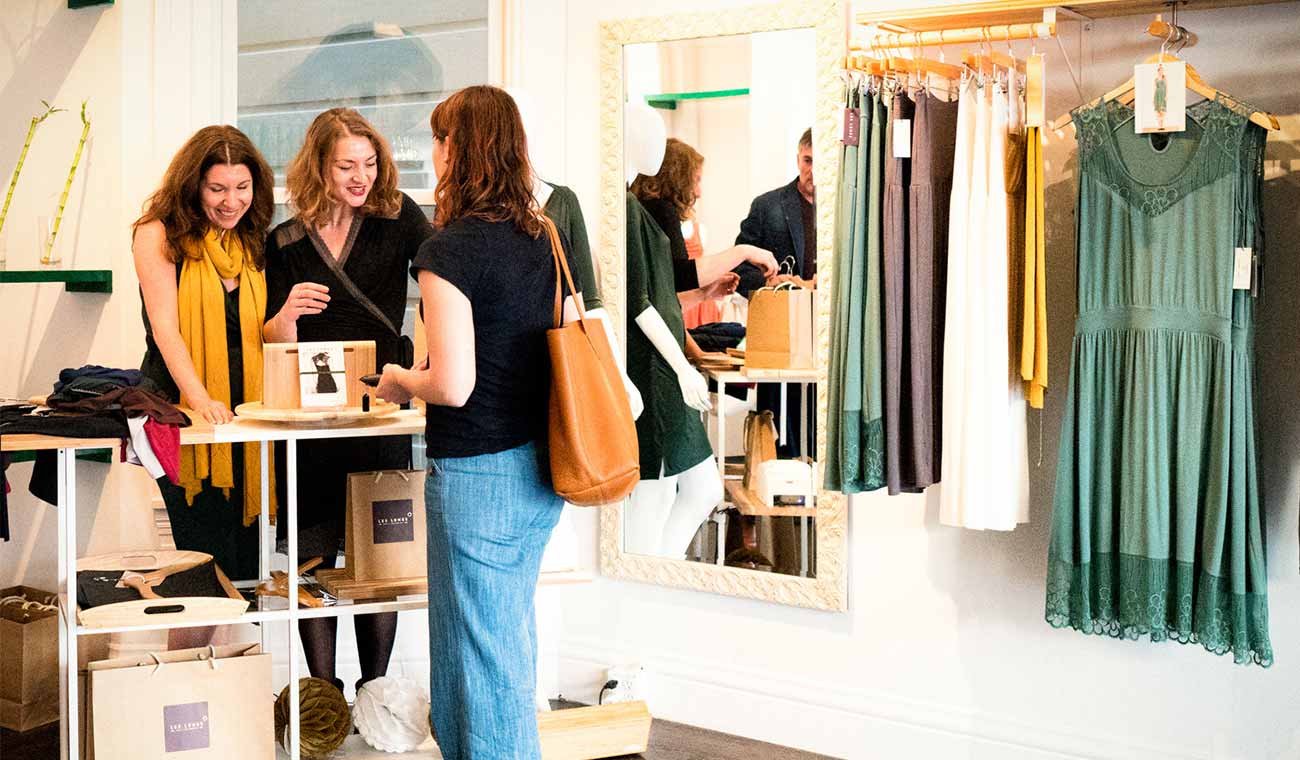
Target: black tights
[{"x": 375, "y": 636}]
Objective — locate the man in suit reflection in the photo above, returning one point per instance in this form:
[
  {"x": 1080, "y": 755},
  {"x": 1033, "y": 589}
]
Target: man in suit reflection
[{"x": 784, "y": 221}]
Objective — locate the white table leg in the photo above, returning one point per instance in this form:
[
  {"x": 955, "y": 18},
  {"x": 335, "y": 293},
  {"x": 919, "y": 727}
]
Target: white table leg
[
  {"x": 264, "y": 527},
  {"x": 291, "y": 488},
  {"x": 67, "y": 485},
  {"x": 722, "y": 536},
  {"x": 780, "y": 434},
  {"x": 67, "y": 676},
  {"x": 803, "y": 547}
]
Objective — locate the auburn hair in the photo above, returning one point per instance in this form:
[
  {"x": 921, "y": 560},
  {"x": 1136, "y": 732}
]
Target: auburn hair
[
  {"x": 675, "y": 181},
  {"x": 178, "y": 204},
  {"x": 488, "y": 175},
  {"x": 308, "y": 176}
]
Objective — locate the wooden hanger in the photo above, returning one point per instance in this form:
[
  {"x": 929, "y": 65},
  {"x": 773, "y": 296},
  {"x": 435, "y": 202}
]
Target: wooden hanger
[
  {"x": 925, "y": 66},
  {"x": 1125, "y": 94},
  {"x": 984, "y": 62}
]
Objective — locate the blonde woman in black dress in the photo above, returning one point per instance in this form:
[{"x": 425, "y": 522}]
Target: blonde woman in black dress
[{"x": 337, "y": 271}]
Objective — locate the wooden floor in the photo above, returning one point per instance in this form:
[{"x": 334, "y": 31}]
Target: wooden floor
[{"x": 668, "y": 741}]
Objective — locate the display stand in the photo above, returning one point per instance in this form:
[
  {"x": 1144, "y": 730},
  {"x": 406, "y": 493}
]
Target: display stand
[
  {"x": 736, "y": 495},
  {"x": 267, "y": 609}
]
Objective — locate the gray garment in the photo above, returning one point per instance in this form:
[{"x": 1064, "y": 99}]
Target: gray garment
[
  {"x": 900, "y": 464},
  {"x": 934, "y": 139}
]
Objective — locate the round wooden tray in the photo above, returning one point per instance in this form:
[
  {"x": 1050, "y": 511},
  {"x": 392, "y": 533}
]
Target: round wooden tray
[{"x": 347, "y": 415}]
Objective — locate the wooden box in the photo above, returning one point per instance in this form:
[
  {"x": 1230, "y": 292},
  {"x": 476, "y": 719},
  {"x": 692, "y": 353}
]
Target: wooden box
[{"x": 280, "y": 384}]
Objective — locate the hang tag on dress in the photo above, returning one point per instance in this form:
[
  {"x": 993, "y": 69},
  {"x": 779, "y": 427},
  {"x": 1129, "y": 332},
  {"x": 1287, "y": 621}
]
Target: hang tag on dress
[
  {"x": 902, "y": 138},
  {"x": 851, "y": 127},
  {"x": 1160, "y": 97},
  {"x": 1243, "y": 262}
]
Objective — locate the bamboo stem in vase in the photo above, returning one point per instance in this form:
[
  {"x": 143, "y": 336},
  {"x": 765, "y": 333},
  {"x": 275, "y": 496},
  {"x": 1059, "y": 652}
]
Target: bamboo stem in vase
[
  {"x": 22, "y": 157},
  {"x": 67, "y": 186}
]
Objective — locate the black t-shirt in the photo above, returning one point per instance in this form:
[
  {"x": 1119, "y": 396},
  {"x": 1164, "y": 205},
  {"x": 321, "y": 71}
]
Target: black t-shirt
[{"x": 509, "y": 279}]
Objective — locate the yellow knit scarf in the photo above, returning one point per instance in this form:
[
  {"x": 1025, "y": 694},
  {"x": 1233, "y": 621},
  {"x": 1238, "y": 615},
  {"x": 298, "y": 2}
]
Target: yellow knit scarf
[{"x": 201, "y": 299}]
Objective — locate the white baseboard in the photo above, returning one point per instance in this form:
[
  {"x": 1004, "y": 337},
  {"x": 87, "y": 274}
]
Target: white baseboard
[{"x": 858, "y": 724}]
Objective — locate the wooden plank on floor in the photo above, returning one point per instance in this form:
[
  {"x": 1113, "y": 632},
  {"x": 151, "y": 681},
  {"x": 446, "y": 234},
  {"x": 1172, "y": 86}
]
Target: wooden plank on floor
[{"x": 588, "y": 733}]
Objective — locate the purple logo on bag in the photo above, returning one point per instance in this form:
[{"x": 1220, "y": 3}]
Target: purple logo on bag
[
  {"x": 394, "y": 521},
  {"x": 185, "y": 727}
]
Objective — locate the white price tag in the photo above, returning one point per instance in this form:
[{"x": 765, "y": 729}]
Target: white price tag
[
  {"x": 902, "y": 138},
  {"x": 1242, "y": 264}
]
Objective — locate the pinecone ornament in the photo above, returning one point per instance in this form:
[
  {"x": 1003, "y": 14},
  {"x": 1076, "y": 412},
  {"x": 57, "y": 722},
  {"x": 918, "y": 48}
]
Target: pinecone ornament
[
  {"x": 324, "y": 718},
  {"x": 392, "y": 714}
]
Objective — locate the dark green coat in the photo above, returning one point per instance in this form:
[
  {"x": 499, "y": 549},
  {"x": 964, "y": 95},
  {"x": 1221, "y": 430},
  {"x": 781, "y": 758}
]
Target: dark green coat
[
  {"x": 563, "y": 209},
  {"x": 671, "y": 433}
]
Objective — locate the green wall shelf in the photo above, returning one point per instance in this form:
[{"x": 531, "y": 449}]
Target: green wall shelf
[
  {"x": 75, "y": 4},
  {"x": 103, "y": 456},
  {"x": 668, "y": 100},
  {"x": 75, "y": 280}
]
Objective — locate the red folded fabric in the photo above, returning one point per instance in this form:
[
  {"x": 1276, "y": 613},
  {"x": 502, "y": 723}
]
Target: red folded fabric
[{"x": 166, "y": 443}]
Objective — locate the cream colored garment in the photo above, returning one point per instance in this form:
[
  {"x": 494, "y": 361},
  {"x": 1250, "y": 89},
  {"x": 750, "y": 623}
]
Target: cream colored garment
[{"x": 985, "y": 460}]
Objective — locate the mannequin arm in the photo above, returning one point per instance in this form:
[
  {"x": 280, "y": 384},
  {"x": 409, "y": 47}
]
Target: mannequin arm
[
  {"x": 695, "y": 391},
  {"x": 634, "y": 399}
]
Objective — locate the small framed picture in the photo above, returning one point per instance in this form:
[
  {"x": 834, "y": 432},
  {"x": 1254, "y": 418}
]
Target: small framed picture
[{"x": 322, "y": 375}]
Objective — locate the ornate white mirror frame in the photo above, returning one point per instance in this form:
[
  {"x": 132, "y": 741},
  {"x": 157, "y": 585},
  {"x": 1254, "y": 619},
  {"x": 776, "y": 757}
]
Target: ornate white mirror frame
[{"x": 828, "y": 590}]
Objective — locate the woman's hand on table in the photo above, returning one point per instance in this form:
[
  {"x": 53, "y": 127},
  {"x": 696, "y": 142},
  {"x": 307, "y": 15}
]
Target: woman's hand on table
[
  {"x": 215, "y": 412},
  {"x": 390, "y": 386}
]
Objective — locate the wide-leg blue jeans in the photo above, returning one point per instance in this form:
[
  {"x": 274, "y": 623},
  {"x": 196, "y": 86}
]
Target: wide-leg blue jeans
[{"x": 489, "y": 519}]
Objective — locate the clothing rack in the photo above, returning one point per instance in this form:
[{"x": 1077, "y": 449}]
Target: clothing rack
[{"x": 983, "y": 34}]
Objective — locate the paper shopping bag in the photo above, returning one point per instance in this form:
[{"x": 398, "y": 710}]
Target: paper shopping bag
[
  {"x": 384, "y": 535},
  {"x": 29, "y": 658},
  {"x": 779, "y": 334},
  {"x": 197, "y": 704}
]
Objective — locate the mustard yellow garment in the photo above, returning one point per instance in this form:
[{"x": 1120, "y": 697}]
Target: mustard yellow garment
[
  {"x": 201, "y": 300},
  {"x": 1033, "y": 352}
]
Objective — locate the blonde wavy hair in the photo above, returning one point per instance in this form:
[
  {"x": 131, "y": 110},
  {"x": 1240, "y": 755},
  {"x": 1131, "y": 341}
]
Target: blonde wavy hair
[{"x": 308, "y": 179}]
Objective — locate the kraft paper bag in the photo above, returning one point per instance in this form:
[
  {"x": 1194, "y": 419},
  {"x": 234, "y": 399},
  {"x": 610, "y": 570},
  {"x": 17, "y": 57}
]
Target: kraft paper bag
[
  {"x": 384, "y": 533},
  {"x": 29, "y": 658},
  {"x": 779, "y": 334},
  {"x": 192, "y": 704}
]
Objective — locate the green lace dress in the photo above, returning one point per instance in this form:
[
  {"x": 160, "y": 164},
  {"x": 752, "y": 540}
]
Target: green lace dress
[{"x": 1156, "y": 528}]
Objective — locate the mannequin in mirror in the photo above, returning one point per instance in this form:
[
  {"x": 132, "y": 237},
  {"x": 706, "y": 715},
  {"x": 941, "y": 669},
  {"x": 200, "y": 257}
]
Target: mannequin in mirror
[{"x": 680, "y": 485}]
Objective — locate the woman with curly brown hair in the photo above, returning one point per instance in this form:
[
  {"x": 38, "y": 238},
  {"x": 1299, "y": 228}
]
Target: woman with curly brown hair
[
  {"x": 487, "y": 279},
  {"x": 198, "y": 250},
  {"x": 337, "y": 271}
]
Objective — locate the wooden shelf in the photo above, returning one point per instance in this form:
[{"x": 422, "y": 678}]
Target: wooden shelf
[
  {"x": 74, "y": 280},
  {"x": 748, "y": 503}
]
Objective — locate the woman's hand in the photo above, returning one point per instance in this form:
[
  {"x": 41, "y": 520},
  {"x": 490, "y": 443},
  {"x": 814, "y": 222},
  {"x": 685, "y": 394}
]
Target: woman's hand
[
  {"x": 305, "y": 298},
  {"x": 761, "y": 258},
  {"x": 390, "y": 386},
  {"x": 721, "y": 287},
  {"x": 215, "y": 412}
]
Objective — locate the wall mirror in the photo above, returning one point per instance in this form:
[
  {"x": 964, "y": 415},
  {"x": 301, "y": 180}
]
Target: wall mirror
[{"x": 703, "y": 114}]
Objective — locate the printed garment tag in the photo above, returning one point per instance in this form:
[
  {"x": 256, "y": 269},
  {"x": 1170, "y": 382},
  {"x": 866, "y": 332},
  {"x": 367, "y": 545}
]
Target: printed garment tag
[
  {"x": 902, "y": 138},
  {"x": 1242, "y": 267},
  {"x": 1035, "y": 91},
  {"x": 852, "y": 123},
  {"x": 1160, "y": 97}
]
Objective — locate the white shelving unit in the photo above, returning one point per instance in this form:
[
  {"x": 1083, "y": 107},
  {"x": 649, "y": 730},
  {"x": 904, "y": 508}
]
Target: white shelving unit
[
  {"x": 267, "y": 609},
  {"x": 804, "y": 379}
]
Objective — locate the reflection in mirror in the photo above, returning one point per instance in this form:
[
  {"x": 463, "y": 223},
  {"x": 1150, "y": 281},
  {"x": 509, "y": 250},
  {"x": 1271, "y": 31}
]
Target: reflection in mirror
[{"x": 720, "y": 206}]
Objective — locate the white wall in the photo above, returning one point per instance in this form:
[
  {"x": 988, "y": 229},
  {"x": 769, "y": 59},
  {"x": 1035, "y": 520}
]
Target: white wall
[
  {"x": 944, "y": 652},
  {"x": 64, "y": 56}
]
